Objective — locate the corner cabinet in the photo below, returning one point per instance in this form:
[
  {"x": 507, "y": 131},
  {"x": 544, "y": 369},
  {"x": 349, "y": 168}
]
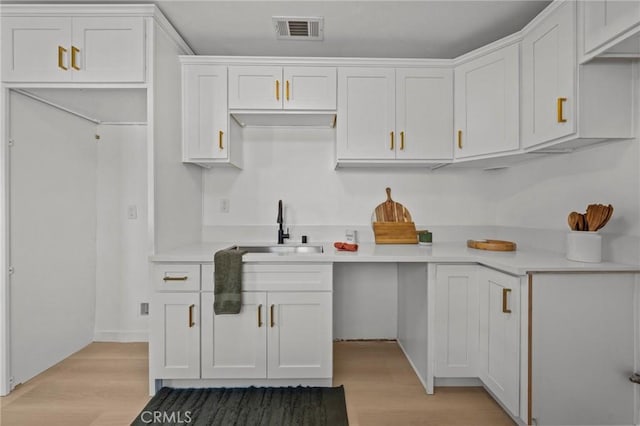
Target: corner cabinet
[
  {"x": 487, "y": 104},
  {"x": 282, "y": 335},
  {"x": 566, "y": 105},
  {"x": 77, "y": 49},
  {"x": 394, "y": 115},
  {"x": 610, "y": 28}
]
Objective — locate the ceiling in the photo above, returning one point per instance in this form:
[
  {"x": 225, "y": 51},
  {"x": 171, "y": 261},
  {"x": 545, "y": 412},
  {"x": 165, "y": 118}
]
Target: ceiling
[
  {"x": 376, "y": 29},
  {"x": 396, "y": 29}
]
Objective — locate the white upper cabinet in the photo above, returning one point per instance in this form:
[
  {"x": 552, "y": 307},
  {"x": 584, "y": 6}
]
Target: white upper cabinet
[
  {"x": 424, "y": 113},
  {"x": 566, "y": 105},
  {"x": 487, "y": 104},
  {"x": 548, "y": 78},
  {"x": 276, "y": 88},
  {"x": 388, "y": 115},
  {"x": 73, "y": 49},
  {"x": 366, "y": 114},
  {"x": 606, "y": 23}
]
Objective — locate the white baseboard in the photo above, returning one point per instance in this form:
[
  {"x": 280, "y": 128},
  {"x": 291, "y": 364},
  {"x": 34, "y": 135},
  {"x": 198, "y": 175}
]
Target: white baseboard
[{"x": 121, "y": 336}]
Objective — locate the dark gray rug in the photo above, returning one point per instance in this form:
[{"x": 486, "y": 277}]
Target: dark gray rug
[{"x": 299, "y": 406}]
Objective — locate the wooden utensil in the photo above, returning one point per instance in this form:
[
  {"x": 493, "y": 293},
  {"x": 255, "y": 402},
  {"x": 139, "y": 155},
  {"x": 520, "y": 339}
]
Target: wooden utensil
[
  {"x": 573, "y": 219},
  {"x": 608, "y": 213},
  {"x": 492, "y": 245},
  {"x": 598, "y": 215},
  {"x": 390, "y": 211},
  {"x": 582, "y": 223}
]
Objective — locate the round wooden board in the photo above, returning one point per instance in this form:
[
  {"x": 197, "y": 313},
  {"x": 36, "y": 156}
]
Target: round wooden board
[{"x": 492, "y": 245}]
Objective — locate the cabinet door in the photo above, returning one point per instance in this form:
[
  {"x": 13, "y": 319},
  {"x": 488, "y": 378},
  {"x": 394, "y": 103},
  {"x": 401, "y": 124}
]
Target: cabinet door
[
  {"x": 300, "y": 337},
  {"x": 235, "y": 346},
  {"x": 36, "y": 49},
  {"x": 456, "y": 321},
  {"x": 424, "y": 113},
  {"x": 310, "y": 88},
  {"x": 499, "y": 344},
  {"x": 204, "y": 115},
  {"x": 604, "y": 20},
  {"x": 108, "y": 49},
  {"x": 486, "y": 104},
  {"x": 175, "y": 335},
  {"x": 366, "y": 114},
  {"x": 255, "y": 87},
  {"x": 549, "y": 78}
]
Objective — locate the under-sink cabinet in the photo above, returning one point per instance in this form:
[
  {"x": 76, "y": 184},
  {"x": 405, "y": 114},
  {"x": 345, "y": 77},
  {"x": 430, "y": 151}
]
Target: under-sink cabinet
[
  {"x": 394, "y": 115},
  {"x": 282, "y": 335},
  {"x": 566, "y": 105},
  {"x": 256, "y": 87},
  {"x": 55, "y": 49}
]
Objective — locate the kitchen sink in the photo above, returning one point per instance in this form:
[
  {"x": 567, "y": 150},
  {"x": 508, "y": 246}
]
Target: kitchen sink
[{"x": 281, "y": 249}]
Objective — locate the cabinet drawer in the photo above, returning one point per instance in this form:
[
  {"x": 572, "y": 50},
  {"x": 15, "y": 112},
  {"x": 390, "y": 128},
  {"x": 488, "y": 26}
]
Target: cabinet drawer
[
  {"x": 274, "y": 277},
  {"x": 176, "y": 277}
]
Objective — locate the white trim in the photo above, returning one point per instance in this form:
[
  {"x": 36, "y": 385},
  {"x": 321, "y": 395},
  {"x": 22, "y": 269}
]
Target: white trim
[
  {"x": 488, "y": 48},
  {"x": 431, "y": 326},
  {"x": 76, "y": 85},
  {"x": 121, "y": 336},
  {"x": 168, "y": 28},
  {"x": 320, "y": 61},
  {"x": 5, "y": 304}
]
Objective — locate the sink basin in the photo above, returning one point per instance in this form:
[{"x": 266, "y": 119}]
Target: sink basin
[{"x": 281, "y": 249}]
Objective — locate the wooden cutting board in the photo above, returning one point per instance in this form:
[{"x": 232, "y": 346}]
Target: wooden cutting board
[
  {"x": 391, "y": 211},
  {"x": 492, "y": 245}
]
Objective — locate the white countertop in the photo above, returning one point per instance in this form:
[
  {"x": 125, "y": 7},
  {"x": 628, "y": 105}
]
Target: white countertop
[{"x": 519, "y": 262}]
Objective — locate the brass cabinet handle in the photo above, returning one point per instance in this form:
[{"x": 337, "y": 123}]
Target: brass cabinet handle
[
  {"x": 175, "y": 278},
  {"x": 220, "y": 134},
  {"x": 277, "y": 90},
  {"x": 259, "y": 315},
  {"x": 392, "y": 142},
  {"x": 505, "y": 297},
  {"x": 61, "y": 52},
  {"x": 559, "y": 108},
  {"x": 191, "y": 323},
  {"x": 401, "y": 140},
  {"x": 271, "y": 320},
  {"x": 287, "y": 89},
  {"x": 74, "y": 51},
  {"x": 460, "y": 139}
]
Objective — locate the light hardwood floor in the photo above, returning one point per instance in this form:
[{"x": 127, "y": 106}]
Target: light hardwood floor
[{"x": 105, "y": 384}]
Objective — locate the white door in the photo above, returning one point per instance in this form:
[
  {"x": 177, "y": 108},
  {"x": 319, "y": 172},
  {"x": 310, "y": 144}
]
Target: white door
[
  {"x": 255, "y": 87},
  {"x": 456, "y": 321},
  {"x": 499, "y": 344},
  {"x": 310, "y": 88},
  {"x": 235, "y": 346},
  {"x": 299, "y": 338},
  {"x": 607, "y": 19},
  {"x": 549, "y": 78},
  {"x": 205, "y": 117},
  {"x": 366, "y": 114},
  {"x": 36, "y": 49},
  {"x": 108, "y": 49},
  {"x": 424, "y": 113},
  {"x": 487, "y": 104},
  {"x": 175, "y": 329}
]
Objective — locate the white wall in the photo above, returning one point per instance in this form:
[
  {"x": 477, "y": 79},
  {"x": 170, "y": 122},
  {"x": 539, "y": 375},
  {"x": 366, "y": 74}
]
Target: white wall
[{"x": 121, "y": 269}]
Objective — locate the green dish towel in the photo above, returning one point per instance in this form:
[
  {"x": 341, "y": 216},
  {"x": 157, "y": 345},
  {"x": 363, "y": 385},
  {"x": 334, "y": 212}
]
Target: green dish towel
[{"x": 228, "y": 281}]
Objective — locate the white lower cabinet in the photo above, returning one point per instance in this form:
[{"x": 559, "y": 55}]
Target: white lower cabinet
[
  {"x": 175, "y": 336},
  {"x": 499, "y": 344}
]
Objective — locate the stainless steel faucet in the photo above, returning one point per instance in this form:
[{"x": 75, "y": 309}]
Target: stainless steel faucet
[{"x": 281, "y": 234}]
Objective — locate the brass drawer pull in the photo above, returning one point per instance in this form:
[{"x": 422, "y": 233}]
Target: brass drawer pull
[
  {"x": 191, "y": 323},
  {"x": 74, "y": 52},
  {"x": 277, "y": 90},
  {"x": 271, "y": 319},
  {"x": 559, "y": 107},
  {"x": 220, "y": 134},
  {"x": 175, "y": 278},
  {"x": 401, "y": 140},
  {"x": 460, "y": 139},
  {"x": 505, "y": 300},
  {"x": 287, "y": 90},
  {"x": 259, "y": 315},
  {"x": 392, "y": 141},
  {"x": 61, "y": 52}
]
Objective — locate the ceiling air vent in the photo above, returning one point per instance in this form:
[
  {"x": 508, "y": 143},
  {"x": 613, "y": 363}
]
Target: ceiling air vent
[{"x": 297, "y": 28}]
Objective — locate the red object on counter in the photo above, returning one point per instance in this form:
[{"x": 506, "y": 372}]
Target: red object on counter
[{"x": 346, "y": 246}]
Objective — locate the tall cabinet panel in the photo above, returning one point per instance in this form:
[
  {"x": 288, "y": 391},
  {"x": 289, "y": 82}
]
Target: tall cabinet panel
[
  {"x": 548, "y": 78},
  {"x": 424, "y": 113},
  {"x": 366, "y": 113},
  {"x": 487, "y": 104}
]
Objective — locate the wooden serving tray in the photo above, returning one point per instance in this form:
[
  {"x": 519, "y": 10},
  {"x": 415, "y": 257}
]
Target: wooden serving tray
[
  {"x": 492, "y": 245},
  {"x": 395, "y": 232}
]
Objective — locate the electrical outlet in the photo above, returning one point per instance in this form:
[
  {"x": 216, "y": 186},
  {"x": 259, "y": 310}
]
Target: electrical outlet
[
  {"x": 132, "y": 212},
  {"x": 144, "y": 309},
  {"x": 224, "y": 205}
]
